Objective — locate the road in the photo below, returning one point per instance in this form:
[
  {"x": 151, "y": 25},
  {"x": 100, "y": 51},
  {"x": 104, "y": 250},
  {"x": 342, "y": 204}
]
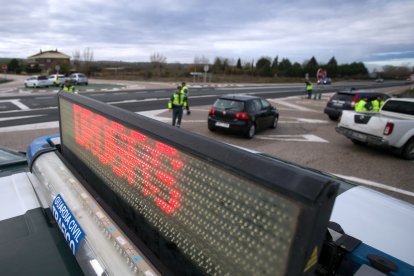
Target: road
[
  {"x": 307, "y": 137},
  {"x": 304, "y": 136}
]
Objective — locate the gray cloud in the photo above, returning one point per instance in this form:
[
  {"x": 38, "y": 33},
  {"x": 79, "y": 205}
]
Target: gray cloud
[{"x": 180, "y": 30}]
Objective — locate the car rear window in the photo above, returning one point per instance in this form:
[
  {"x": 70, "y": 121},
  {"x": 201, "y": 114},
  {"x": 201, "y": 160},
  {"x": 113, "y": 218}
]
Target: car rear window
[
  {"x": 343, "y": 97},
  {"x": 399, "y": 107},
  {"x": 227, "y": 104}
]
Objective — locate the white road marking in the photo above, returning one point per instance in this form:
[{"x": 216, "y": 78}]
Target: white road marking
[
  {"x": 17, "y": 103},
  {"x": 376, "y": 184},
  {"x": 312, "y": 121},
  {"x": 154, "y": 114},
  {"x": 258, "y": 88},
  {"x": 19, "y": 117},
  {"x": 31, "y": 127},
  {"x": 294, "y": 106},
  {"x": 293, "y": 138}
]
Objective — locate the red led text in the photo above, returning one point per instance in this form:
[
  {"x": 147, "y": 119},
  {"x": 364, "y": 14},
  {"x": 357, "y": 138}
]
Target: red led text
[{"x": 143, "y": 162}]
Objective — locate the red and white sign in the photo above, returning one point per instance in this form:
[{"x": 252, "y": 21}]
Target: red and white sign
[
  {"x": 4, "y": 67},
  {"x": 321, "y": 74}
]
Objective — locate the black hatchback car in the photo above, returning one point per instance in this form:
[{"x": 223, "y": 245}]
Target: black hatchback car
[
  {"x": 242, "y": 114},
  {"x": 346, "y": 100}
]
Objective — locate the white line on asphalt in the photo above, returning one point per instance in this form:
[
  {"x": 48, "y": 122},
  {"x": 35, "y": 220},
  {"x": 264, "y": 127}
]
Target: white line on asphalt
[
  {"x": 18, "y": 111},
  {"x": 31, "y": 127},
  {"x": 200, "y": 109},
  {"x": 257, "y": 88},
  {"x": 45, "y": 98},
  {"x": 291, "y": 105},
  {"x": 17, "y": 103},
  {"x": 154, "y": 114},
  {"x": 312, "y": 121},
  {"x": 19, "y": 117},
  {"x": 376, "y": 184},
  {"x": 293, "y": 138}
]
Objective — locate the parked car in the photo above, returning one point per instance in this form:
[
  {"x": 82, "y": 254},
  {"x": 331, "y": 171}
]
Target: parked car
[
  {"x": 37, "y": 81},
  {"x": 242, "y": 114},
  {"x": 325, "y": 81},
  {"x": 379, "y": 80},
  {"x": 57, "y": 79},
  {"x": 392, "y": 126},
  {"x": 79, "y": 78},
  {"x": 346, "y": 100}
]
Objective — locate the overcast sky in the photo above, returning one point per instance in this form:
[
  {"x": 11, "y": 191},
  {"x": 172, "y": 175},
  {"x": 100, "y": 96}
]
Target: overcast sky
[{"x": 371, "y": 31}]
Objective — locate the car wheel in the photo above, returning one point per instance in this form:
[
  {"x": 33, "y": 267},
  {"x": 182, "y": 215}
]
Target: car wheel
[
  {"x": 25, "y": 85},
  {"x": 408, "y": 150},
  {"x": 251, "y": 131},
  {"x": 211, "y": 128},
  {"x": 274, "y": 122},
  {"x": 333, "y": 118}
]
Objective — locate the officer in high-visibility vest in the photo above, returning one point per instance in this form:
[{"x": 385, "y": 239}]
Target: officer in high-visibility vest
[
  {"x": 68, "y": 87},
  {"x": 177, "y": 102},
  {"x": 185, "y": 90},
  {"x": 376, "y": 104},
  {"x": 360, "y": 105},
  {"x": 309, "y": 89},
  {"x": 57, "y": 82}
]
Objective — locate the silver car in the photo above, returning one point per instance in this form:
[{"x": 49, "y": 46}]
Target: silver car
[{"x": 79, "y": 78}]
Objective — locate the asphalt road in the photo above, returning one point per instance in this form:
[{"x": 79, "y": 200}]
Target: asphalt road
[{"x": 305, "y": 135}]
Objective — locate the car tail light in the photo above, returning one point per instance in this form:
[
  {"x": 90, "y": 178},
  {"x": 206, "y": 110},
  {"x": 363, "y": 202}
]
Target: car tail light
[
  {"x": 389, "y": 127},
  {"x": 242, "y": 116},
  {"x": 354, "y": 101},
  {"x": 212, "y": 111}
]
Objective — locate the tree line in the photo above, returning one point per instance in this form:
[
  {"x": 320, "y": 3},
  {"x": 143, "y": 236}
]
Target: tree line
[{"x": 221, "y": 68}]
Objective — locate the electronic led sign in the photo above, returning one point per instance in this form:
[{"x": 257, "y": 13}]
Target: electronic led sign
[{"x": 204, "y": 218}]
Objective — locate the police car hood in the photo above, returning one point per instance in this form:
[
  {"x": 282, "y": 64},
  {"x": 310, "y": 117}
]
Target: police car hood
[{"x": 378, "y": 220}]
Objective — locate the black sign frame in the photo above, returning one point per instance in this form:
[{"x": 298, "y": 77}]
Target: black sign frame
[{"x": 314, "y": 192}]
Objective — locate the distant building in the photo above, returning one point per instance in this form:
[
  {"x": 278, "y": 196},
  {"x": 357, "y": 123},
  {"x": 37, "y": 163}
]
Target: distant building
[{"x": 47, "y": 60}]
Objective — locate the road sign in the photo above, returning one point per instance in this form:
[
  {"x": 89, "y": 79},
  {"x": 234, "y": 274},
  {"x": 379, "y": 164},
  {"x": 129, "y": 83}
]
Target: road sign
[
  {"x": 57, "y": 67},
  {"x": 206, "y": 67},
  {"x": 321, "y": 74},
  {"x": 4, "y": 67}
]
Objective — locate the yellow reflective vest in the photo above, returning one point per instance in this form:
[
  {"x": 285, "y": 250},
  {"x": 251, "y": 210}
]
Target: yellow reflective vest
[
  {"x": 309, "y": 87},
  {"x": 177, "y": 100},
  {"x": 360, "y": 106},
  {"x": 375, "y": 105},
  {"x": 70, "y": 89},
  {"x": 184, "y": 89}
]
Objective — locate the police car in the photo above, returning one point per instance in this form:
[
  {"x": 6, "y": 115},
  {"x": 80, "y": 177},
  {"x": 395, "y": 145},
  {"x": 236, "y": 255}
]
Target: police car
[{"x": 115, "y": 193}]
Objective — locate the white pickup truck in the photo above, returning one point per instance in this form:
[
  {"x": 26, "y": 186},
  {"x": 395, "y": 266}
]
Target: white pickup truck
[{"x": 392, "y": 126}]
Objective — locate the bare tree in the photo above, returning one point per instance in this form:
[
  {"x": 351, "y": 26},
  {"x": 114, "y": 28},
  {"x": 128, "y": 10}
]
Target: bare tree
[
  {"x": 87, "y": 55},
  {"x": 199, "y": 62},
  {"x": 158, "y": 61},
  {"x": 83, "y": 62},
  {"x": 76, "y": 59}
]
